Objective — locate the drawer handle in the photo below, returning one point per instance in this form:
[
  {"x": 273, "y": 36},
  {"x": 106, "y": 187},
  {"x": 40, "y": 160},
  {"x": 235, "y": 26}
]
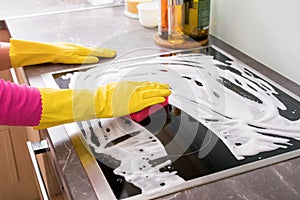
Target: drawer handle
[{"x": 35, "y": 148}]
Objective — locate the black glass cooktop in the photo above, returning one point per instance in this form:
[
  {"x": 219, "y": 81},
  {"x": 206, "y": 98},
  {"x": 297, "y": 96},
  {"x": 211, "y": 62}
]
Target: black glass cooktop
[{"x": 179, "y": 125}]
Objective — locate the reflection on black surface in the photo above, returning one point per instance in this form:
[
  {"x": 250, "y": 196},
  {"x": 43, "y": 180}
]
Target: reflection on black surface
[
  {"x": 121, "y": 139},
  {"x": 188, "y": 165}
]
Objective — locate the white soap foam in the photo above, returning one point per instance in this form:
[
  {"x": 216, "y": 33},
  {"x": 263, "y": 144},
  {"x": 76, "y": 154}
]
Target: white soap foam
[
  {"x": 230, "y": 114},
  {"x": 136, "y": 153},
  {"x": 246, "y": 126}
]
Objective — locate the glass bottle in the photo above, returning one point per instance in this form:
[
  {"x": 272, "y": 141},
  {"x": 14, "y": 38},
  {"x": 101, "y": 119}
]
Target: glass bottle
[
  {"x": 196, "y": 23},
  {"x": 163, "y": 19},
  {"x": 175, "y": 21}
]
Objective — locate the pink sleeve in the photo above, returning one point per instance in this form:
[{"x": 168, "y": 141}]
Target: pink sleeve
[{"x": 20, "y": 105}]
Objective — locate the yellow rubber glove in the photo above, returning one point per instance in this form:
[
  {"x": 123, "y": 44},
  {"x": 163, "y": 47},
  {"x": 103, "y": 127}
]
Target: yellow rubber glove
[
  {"x": 24, "y": 53},
  {"x": 112, "y": 100}
]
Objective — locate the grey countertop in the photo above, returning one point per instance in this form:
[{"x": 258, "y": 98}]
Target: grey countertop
[
  {"x": 107, "y": 27},
  {"x": 17, "y": 9}
]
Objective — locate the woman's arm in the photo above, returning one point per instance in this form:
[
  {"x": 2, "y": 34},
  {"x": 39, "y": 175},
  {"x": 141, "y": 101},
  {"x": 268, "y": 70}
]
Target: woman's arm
[
  {"x": 4, "y": 56},
  {"x": 20, "y": 105}
]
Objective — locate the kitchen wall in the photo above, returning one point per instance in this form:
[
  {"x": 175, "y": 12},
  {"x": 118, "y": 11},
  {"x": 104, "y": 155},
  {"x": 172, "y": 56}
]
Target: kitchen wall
[{"x": 266, "y": 30}]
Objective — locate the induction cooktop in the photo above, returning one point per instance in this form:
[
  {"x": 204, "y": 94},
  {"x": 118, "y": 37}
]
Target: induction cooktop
[{"x": 223, "y": 118}]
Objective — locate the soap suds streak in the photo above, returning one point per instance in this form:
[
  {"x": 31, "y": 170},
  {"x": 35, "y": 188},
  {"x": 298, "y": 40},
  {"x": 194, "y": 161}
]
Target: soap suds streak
[{"x": 237, "y": 105}]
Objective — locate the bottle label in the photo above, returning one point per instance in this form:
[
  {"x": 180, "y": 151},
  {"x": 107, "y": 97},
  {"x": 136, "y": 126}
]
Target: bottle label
[{"x": 203, "y": 14}]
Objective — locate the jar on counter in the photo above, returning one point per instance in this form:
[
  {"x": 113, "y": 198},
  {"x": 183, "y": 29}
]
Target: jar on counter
[
  {"x": 175, "y": 21},
  {"x": 131, "y": 9}
]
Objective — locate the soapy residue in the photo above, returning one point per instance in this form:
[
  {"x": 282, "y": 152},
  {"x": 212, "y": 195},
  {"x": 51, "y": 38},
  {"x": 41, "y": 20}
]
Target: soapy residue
[
  {"x": 132, "y": 151},
  {"x": 232, "y": 101}
]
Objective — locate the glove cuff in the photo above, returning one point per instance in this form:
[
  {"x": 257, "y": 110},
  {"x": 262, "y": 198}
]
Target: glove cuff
[
  {"x": 24, "y": 53},
  {"x": 65, "y": 106}
]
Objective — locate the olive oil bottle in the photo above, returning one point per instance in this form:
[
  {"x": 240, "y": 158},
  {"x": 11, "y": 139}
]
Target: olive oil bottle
[{"x": 196, "y": 23}]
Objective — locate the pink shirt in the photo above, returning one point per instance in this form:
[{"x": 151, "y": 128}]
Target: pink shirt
[{"x": 20, "y": 105}]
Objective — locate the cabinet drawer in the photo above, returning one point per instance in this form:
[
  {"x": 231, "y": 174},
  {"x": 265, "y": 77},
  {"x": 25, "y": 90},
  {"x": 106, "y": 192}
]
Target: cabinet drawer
[{"x": 8, "y": 168}]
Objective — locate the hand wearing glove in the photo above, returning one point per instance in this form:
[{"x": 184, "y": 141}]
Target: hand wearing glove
[
  {"x": 24, "y": 53},
  {"x": 22, "y": 105},
  {"x": 111, "y": 100},
  {"x": 122, "y": 98}
]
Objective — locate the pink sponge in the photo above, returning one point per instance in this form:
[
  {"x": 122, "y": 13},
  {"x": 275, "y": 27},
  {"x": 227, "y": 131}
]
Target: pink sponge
[{"x": 141, "y": 115}]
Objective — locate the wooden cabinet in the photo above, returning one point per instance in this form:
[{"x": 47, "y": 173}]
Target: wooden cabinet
[{"x": 16, "y": 172}]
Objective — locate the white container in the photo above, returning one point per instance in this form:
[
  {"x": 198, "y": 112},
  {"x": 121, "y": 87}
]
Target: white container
[
  {"x": 148, "y": 14},
  {"x": 131, "y": 7}
]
